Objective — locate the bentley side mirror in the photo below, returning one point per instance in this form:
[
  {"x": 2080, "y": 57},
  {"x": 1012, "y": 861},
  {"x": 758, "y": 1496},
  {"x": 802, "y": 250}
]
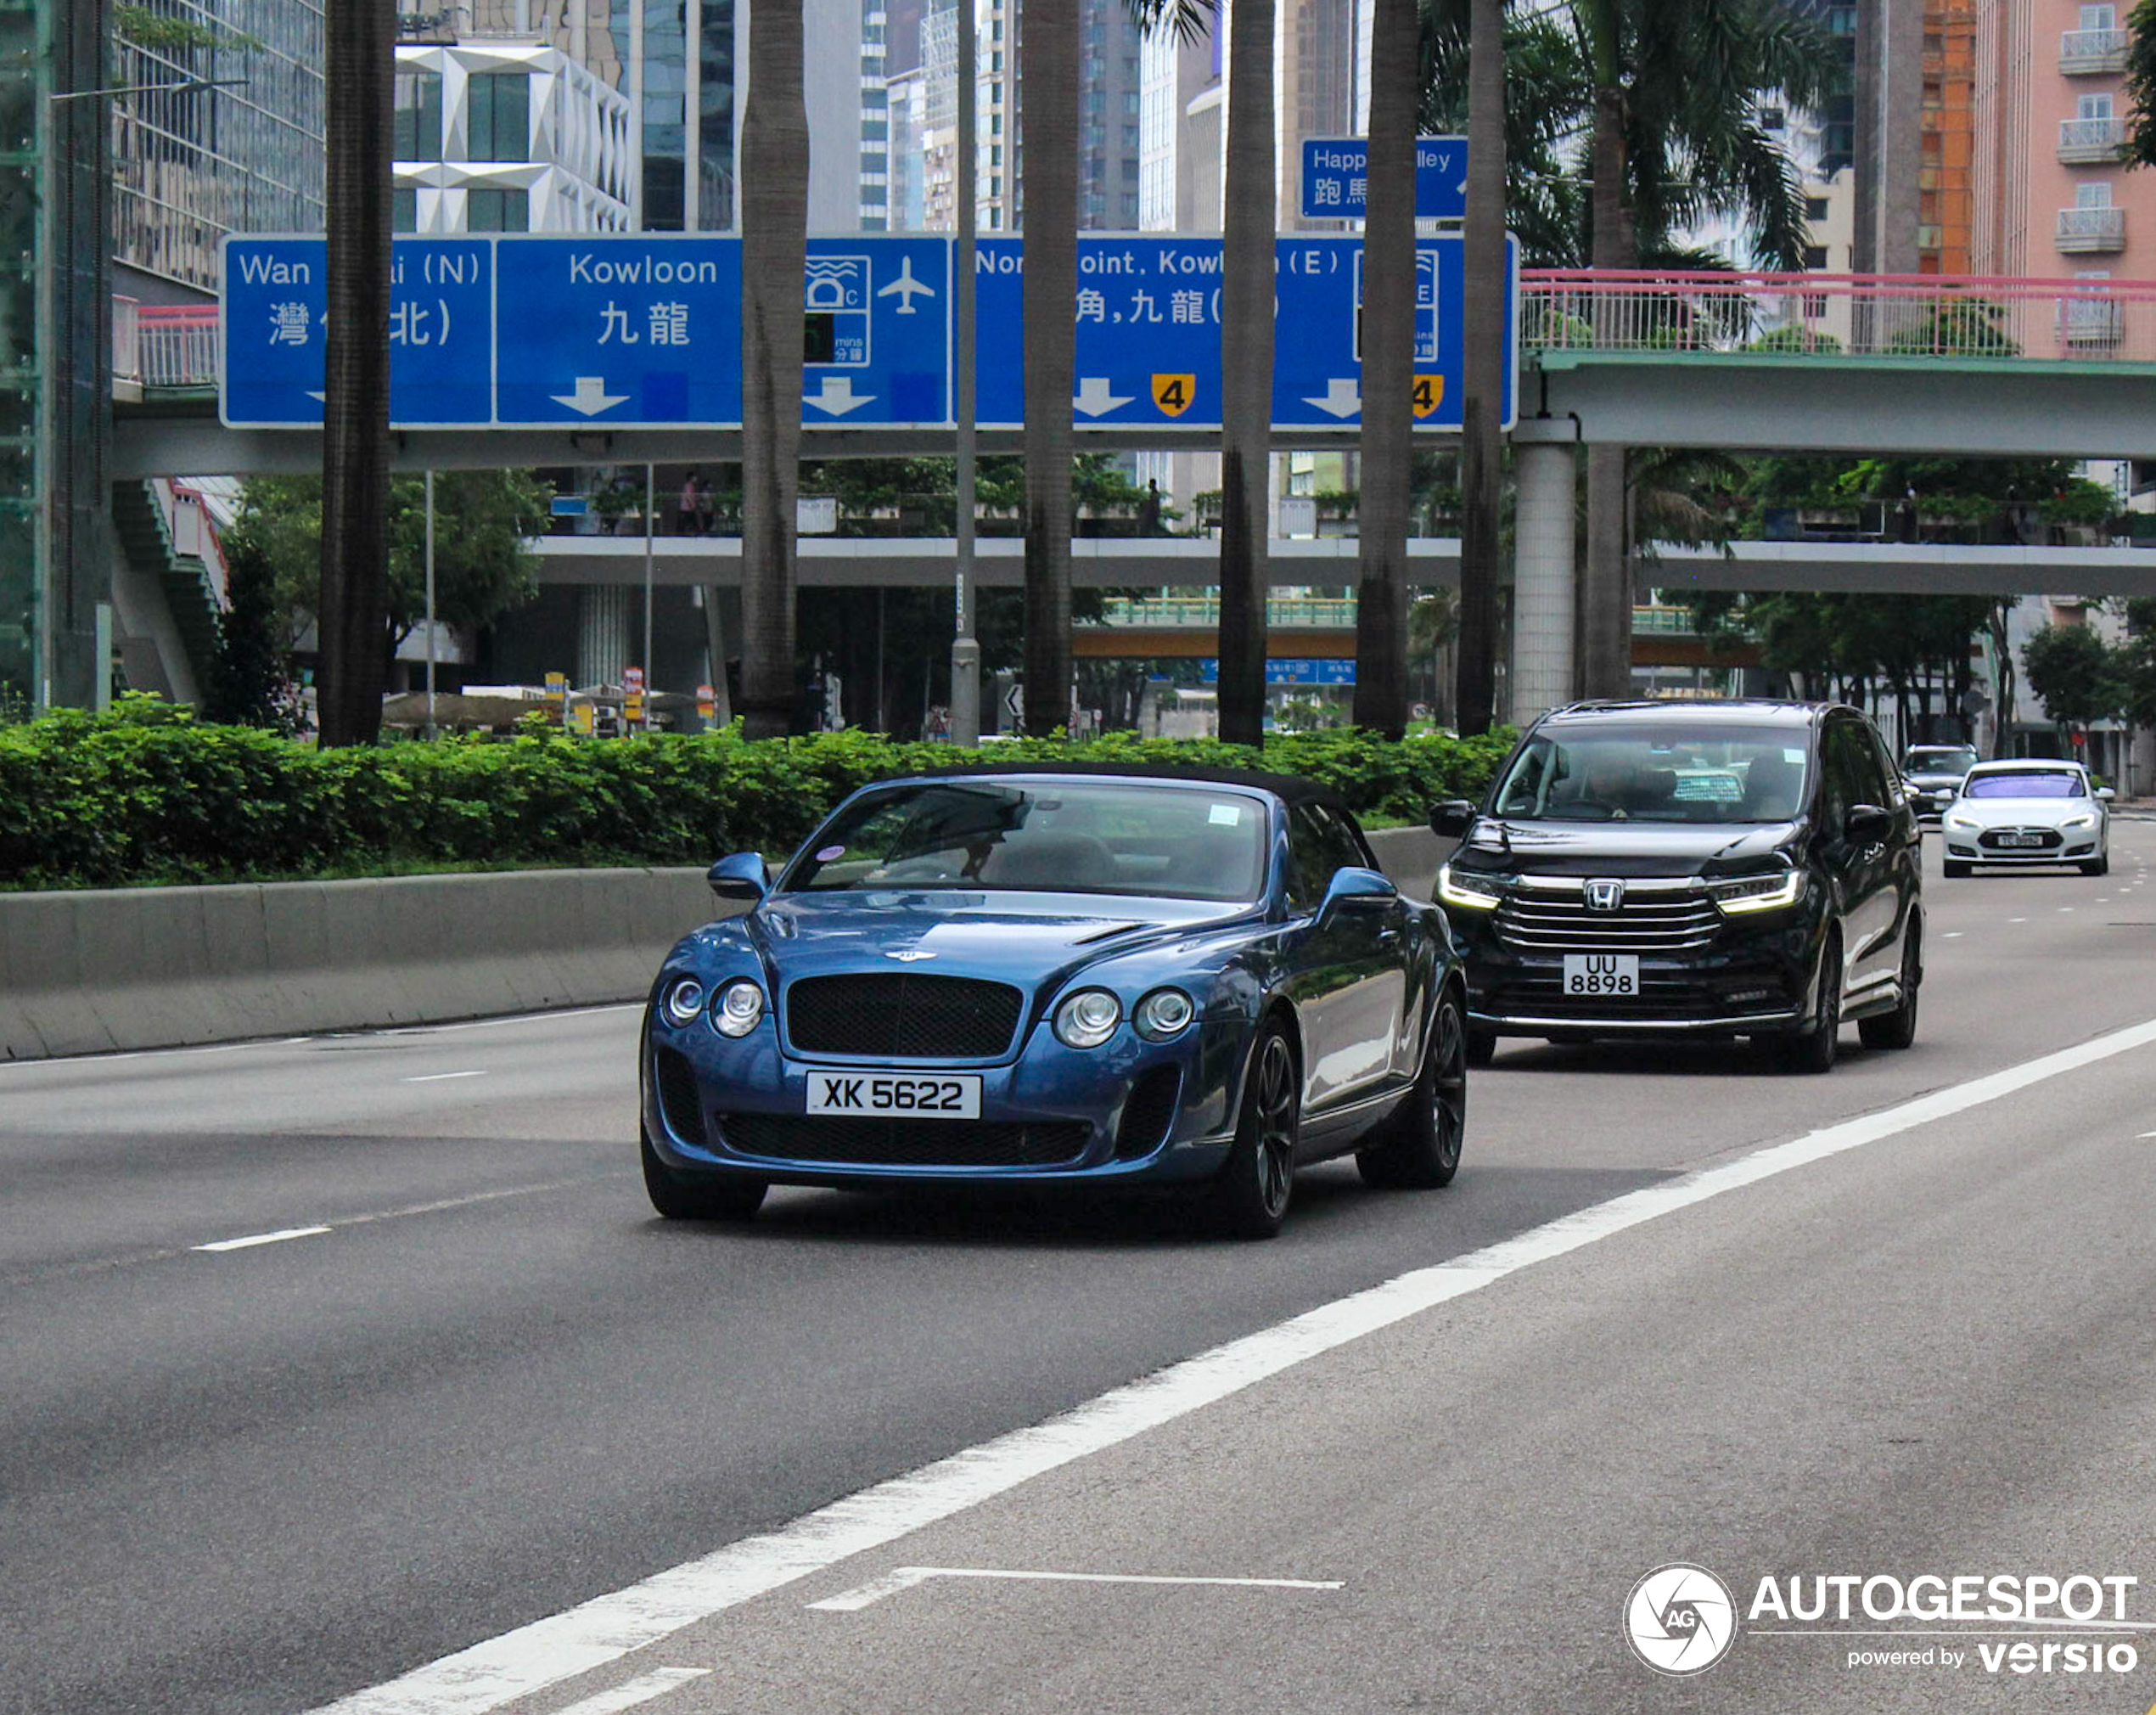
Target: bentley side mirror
[
  {"x": 742, "y": 875},
  {"x": 1452, "y": 819},
  {"x": 1866, "y": 822},
  {"x": 1352, "y": 888}
]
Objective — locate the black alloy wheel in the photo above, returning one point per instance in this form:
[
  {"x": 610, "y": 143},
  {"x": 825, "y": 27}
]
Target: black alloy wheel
[
  {"x": 2097, "y": 866},
  {"x": 1418, "y": 1145},
  {"x": 1249, "y": 1198},
  {"x": 1955, "y": 871},
  {"x": 1482, "y": 1047},
  {"x": 1898, "y": 1028},
  {"x": 1815, "y": 1050},
  {"x": 680, "y": 1197}
]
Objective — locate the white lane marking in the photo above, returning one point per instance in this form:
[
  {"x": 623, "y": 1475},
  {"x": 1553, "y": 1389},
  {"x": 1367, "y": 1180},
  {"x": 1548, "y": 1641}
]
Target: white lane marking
[
  {"x": 579, "y": 1639},
  {"x": 255, "y": 1239},
  {"x": 904, "y": 1578},
  {"x": 2148, "y": 1134},
  {"x": 1951, "y": 934},
  {"x": 641, "y": 1689},
  {"x": 2065, "y": 909},
  {"x": 2017, "y": 919},
  {"x": 438, "y": 1078},
  {"x": 412, "y": 1030}
]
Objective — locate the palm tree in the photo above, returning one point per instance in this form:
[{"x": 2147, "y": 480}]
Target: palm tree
[
  {"x": 1482, "y": 360},
  {"x": 360, "y": 60},
  {"x": 1389, "y": 269},
  {"x": 1048, "y": 171},
  {"x": 1246, "y": 369},
  {"x": 1674, "y": 131},
  {"x": 774, "y": 248}
]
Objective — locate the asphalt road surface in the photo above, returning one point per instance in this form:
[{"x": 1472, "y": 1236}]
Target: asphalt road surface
[{"x": 463, "y": 1396}]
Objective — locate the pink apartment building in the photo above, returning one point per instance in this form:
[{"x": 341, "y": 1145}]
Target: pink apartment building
[{"x": 2052, "y": 198}]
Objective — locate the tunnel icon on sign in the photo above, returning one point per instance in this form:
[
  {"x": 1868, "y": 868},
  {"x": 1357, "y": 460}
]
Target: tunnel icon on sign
[
  {"x": 835, "y": 282},
  {"x": 1173, "y": 393}
]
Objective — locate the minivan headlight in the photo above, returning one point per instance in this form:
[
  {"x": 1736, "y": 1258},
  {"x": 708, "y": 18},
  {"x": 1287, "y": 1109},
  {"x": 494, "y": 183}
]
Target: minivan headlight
[
  {"x": 1467, "y": 889},
  {"x": 1758, "y": 892},
  {"x": 739, "y": 1005},
  {"x": 1088, "y": 1018}
]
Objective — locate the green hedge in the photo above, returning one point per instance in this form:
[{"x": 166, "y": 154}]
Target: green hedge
[{"x": 149, "y": 794}]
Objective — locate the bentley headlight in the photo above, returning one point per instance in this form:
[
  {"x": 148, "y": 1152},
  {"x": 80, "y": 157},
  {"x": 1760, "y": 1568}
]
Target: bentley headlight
[
  {"x": 1165, "y": 1013},
  {"x": 1469, "y": 889},
  {"x": 683, "y": 1000},
  {"x": 738, "y": 1008},
  {"x": 1758, "y": 892},
  {"x": 1088, "y": 1018}
]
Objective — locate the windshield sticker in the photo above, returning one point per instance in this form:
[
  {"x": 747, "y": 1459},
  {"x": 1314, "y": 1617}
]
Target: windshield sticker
[
  {"x": 830, "y": 854},
  {"x": 1792, "y": 753},
  {"x": 1226, "y": 816}
]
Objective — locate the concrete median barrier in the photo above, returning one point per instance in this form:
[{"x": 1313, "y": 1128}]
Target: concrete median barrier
[{"x": 91, "y": 972}]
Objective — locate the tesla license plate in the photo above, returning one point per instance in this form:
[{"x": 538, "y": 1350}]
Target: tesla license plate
[
  {"x": 920, "y": 1096},
  {"x": 1601, "y": 973},
  {"x": 2021, "y": 839}
]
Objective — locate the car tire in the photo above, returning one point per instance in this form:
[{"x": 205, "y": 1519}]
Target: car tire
[
  {"x": 679, "y": 1197},
  {"x": 1898, "y": 1028},
  {"x": 1814, "y": 1050},
  {"x": 1418, "y": 1145},
  {"x": 1482, "y": 1047},
  {"x": 1955, "y": 872},
  {"x": 1249, "y": 1198},
  {"x": 2101, "y": 866}
]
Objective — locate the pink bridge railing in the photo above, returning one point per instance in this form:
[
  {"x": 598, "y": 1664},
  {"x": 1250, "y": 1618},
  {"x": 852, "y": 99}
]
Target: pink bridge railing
[
  {"x": 1808, "y": 315},
  {"x": 1840, "y": 315}
]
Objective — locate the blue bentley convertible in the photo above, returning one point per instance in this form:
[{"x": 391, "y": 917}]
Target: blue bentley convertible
[{"x": 1072, "y": 976}]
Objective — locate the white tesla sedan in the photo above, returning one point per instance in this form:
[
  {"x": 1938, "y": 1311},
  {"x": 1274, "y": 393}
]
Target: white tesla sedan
[{"x": 2015, "y": 814}]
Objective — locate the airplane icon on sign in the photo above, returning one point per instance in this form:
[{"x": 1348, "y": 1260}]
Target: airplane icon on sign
[{"x": 906, "y": 287}]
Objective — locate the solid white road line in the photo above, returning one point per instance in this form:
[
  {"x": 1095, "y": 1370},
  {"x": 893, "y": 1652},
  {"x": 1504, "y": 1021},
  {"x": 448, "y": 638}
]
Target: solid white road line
[
  {"x": 904, "y": 1578},
  {"x": 439, "y": 1077},
  {"x": 603, "y": 1629},
  {"x": 641, "y": 1689},
  {"x": 1951, "y": 934},
  {"x": 255, "y": 1239}
]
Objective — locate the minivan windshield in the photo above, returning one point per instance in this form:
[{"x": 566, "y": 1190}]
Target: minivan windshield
[
  {"x": 1200, "y": 841},
  {"x": 1657, "y": 772}
]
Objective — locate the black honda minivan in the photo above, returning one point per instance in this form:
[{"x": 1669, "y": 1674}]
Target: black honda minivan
[{"x": 1690, "y": 869}]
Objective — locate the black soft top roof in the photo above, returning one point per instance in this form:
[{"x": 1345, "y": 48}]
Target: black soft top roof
[{"x": 1293, "y": 789}]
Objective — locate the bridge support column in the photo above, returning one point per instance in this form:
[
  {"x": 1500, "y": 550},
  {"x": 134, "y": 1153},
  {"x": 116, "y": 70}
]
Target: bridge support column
[{"x": 1544, "y": 578}]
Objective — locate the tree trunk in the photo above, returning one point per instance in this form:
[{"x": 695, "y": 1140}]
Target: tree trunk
[
  {"x": 1605, "y": 582},
  {"x": 1482, "y": 366},
  {"x": 353, "y": 610},
  {"x": 1048, "y": 169},
  {"x": 774, "y": 247},
  {"x": 1246, "y": 371},
  {"x": 1389, "y": 274}
]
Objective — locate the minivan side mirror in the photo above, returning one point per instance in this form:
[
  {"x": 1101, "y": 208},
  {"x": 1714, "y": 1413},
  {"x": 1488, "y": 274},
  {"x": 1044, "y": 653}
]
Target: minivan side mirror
[
  {"x": 1866, "y": 822},
  {"x": 741, "y": 876},
  {"x": 1354, "y": 888},
  {"x": 1452, "y": 819}
]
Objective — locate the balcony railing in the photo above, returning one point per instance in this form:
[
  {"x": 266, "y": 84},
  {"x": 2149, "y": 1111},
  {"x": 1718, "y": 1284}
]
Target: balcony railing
[
  {"x": 2084, "y": 51},
  {"x": 2084, "y": 142},
  {"x": 2081, "y": 230}
]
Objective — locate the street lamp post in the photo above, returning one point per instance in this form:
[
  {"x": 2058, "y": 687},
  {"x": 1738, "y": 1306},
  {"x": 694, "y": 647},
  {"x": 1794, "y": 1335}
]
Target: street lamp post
[{"x": 965, "y": 648}]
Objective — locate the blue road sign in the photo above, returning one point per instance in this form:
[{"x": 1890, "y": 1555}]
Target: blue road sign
[
  {"x": 1149, "y": 337},
  {"x": 1336, "y": 173},
  {"x": 1321, "y": 670},
  {"x": 441, "y": 332},
  {"x": 619, "y": 331},
  {"x": 877, "y": 319},
  {"x": 1148, "y": 332}
]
